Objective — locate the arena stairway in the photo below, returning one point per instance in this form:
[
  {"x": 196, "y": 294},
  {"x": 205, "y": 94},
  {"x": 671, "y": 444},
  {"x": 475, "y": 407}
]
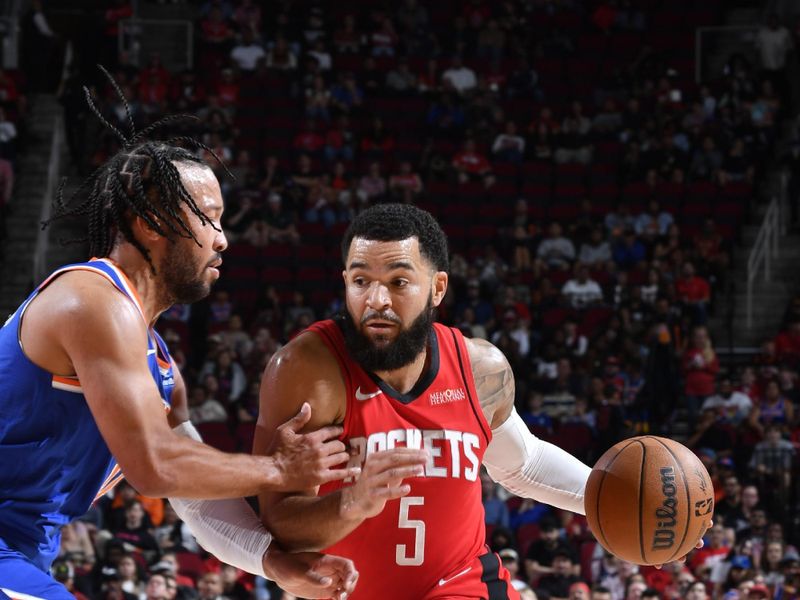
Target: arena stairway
[{"x": 25, "y": 208}]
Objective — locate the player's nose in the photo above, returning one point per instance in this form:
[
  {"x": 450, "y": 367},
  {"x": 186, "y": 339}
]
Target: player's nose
[
  {"x": 220, "y": 242},
  {"x": 378, "y": 297}
]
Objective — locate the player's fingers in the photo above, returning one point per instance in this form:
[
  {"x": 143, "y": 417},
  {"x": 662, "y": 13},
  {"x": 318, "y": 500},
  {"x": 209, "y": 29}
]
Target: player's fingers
[
  {"x": 397, "y": 457},
  {"x": 337, "y": 474},
  {"x": 333, "y": 447},
  {"x": 392, "y": 493},
  {"x": 327, "y": 433},
  {"x": 297, "y": 422},
  {"x": 335, "y": 459},
  {"x": 397, "y": 474}
]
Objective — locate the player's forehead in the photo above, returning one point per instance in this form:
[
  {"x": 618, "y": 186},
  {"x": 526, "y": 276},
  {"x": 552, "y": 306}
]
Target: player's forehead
[
  {"x": 201, "y": 183},
  {"x": 385, "y": 255}
]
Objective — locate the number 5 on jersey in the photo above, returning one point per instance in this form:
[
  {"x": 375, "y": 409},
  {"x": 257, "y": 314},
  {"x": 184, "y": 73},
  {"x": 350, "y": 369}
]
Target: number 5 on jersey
[{"x": 401, "y": 556}]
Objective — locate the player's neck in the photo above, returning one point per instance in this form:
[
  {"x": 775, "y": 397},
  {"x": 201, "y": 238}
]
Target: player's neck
[
  {"x": 140, "y": 275},
  {"x": 403, "y": 380}
]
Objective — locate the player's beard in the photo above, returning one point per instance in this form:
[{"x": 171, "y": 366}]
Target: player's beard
[
  {"x": 182, "y": 276},
  {"x": 398, "y": 353}
]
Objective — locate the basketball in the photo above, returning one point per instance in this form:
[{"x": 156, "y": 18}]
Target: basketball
[{"x": 649, "y": 500}]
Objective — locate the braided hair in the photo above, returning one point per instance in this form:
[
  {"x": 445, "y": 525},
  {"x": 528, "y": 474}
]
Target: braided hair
[{"x": 141, "y": 180}]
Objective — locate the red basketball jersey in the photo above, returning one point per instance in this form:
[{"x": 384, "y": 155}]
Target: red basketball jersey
[{"x": 430, "y": 543}]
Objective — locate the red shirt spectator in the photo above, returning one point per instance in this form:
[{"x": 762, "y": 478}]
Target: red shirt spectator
[
  {"x": 470, "y": 160},
  {"x": 692, "y": 288},
  {"x": 787, "y": 343},
  {"x": 308, "y": 141},
  {"x": 228, "y": 89},
  {"x": 700, "y": 365},
  {"x": 214, "y": 28}
]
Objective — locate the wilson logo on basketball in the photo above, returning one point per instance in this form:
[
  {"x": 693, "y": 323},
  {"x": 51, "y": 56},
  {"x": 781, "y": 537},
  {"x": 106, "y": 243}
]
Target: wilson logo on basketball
[
  {"x": 664, "y": 536},
  {"x": 447, "y": 396}
]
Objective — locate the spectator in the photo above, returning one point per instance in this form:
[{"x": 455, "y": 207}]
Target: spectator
[
  {"x": 470, "y": 163},
  {"x": 787, "y": 344},
  {"x": 582, "y": 292},
  {"x": 510, "y": 560},
  {"x": 204, "y": 408},
  {"x": 280, "y": 56},
  {"x": 629, "y": 252},
  {"x": 700, "y": 366},
  {"x": 694, "y": 292},
  {"x": 134, "y": 531},
  {"x": 459, "y": 77},
  {"x": 210, "y": 587},
  {"x": 773, "y": 408},
  {"x": 384, "y": 40},
  {"x": 596, "y": 253},
  {"x": 340, "y": 141},
  {"x": 401, "y": 80},
  {"x": 491, "y": 41},
  {"x": 373, "y": 184},
  {"x": 347, "y": 95},
  {"x": 557, "y": 584},
  {"x": 572, "y": 143},
  {"x": 556, "y": 251},
  {"x": 654, "y": 221},
  {"x": 706, "y": 161},
  {"x": 728, "y": 406},
  {"x": 248, "y": 53},
  {"x": 712, "y": 552},
  {"x": 772, "y": 459},
  {"x": 542, "y": 552},
  {"x": 496, "y": 511},
  {"x": 318, "y": 99},
  {"x": 774, "y": 43},
  {"x": 509, "y": 146},
  {"x": 405, "y": 185}
]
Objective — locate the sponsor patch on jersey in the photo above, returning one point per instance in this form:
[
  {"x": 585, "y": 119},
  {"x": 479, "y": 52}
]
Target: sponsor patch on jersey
[{"x": 447, "y": 396}]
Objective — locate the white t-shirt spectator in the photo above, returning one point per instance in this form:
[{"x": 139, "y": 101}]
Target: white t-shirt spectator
[
  {"x": 647, "y": 223},
  {"x": 210, "y": 411},
  {"x": 462, "y": 78},
  {"x": 247, "y": 56},
  {"x": 556, "y": 251},
  {"x": 774, "y": 45},
  {"x": 583, "y": 294},
  {"x": 736, "y": 408},
  {"x": 508, "y": 142}
]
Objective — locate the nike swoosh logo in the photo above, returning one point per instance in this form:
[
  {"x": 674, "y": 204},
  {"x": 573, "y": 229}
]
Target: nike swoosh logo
[
  {"x": 151, "y": 351},
  {"x": 457, "y": 575},
  {"x": 361, "y": 396}
]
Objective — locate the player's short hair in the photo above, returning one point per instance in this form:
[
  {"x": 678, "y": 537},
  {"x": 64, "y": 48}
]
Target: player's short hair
[
  {"x": 393, "y": 222},
  {"x": 141, "y": 180}
]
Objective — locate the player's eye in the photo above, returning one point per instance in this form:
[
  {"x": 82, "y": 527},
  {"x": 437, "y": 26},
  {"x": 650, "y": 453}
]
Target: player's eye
[
  {"x": 400, "y": 283},
  {"x": 359, "y": 281}
]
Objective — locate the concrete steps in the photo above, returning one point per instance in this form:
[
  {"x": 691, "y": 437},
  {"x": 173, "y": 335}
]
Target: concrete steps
[{"x": 25, "y": 208}]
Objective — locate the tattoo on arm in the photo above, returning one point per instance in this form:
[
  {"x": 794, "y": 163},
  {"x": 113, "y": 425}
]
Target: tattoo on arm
[{"x": 494, "y": 381}]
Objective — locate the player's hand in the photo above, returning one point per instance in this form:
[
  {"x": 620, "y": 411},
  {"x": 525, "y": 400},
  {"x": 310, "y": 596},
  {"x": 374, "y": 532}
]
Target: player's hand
[
  {"x": 304, "y": 461},
  {"x": 381, "y": 480},
  {"x": 310, "y": 574},
  {"x": 700, "y": 544}
]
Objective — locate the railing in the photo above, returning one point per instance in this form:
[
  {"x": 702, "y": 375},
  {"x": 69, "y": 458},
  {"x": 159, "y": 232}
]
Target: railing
[
  {"x": 767, "y": 246},
  {"x": 171, "y": 39},
  {"x": 715, "y": 45},
  {"x": 53, "y": 173}
]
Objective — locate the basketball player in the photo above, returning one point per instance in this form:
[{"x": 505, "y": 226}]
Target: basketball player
[
  {"x": 86, "y": 383},
  {"x": 392, "y": 377}
]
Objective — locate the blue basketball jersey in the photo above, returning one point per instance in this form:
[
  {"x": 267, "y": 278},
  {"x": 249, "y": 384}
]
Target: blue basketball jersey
[{"x": 53, "y": 460}]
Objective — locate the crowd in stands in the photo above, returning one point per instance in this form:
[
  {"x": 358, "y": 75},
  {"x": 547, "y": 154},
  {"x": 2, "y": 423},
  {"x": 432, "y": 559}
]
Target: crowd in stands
[{"x": 591, "y": 193}]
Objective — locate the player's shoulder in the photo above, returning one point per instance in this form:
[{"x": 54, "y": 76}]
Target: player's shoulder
[
  {"x": 304, "y": 355},
  {"x": 79, "y": 297},
  {"x": 485, "y": 357}
]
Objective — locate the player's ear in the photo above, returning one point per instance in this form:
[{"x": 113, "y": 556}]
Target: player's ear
[
  {"x": 440, "y": 279},
  {"x": 144, "y": 231}
]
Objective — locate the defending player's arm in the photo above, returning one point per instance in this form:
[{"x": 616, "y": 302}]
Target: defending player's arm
[
  {"x": 231, "y": 531},
  {"x": 304, "y": 370},
  {"x": 102, "y": 336},
  {"x": 516, "y": 459}
]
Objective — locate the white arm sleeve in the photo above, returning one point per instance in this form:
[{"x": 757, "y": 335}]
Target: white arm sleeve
[
  {"x": 228, "y": 529},
  {"x": 532, "y": 468}
]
